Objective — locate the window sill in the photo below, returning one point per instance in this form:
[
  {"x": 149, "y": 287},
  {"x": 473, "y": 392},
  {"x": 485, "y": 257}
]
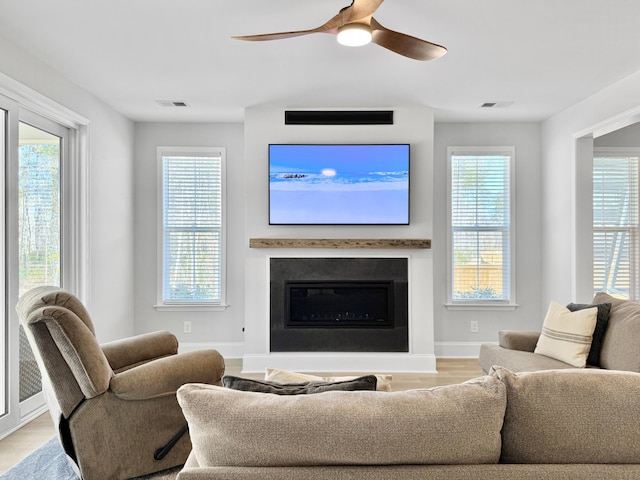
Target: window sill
[
  {"x": 183, "y": 307},
  {"x": 481, "y": 306}
]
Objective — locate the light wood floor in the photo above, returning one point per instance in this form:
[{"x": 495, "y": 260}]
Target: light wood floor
[{"x": 24, "y": 441}]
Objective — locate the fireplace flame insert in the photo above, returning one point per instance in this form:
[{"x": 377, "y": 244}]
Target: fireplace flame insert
[{"x": 338, "y": 304}]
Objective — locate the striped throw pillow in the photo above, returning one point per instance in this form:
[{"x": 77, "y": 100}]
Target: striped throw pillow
[{"x": 567, "y": 335}]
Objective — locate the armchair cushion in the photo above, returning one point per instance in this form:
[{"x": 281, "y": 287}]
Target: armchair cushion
[
  {"x": 132, "y": 351},
  {"x": 48, "y": 296},
  {"x": 78, "y": 346},
  {"x": 165, "y": 375}
]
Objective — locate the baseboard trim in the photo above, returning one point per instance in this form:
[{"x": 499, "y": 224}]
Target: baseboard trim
[
  {"x": 322, "y": 362},
  {"x": 340, "y": 362},
  {"x": 226, "y": 349}
]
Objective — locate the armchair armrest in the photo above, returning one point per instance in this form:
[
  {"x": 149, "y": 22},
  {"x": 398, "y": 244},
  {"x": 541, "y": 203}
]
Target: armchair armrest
[
  {"x": 132, "y": 351},
  {"x": 165, "y": 375},
  {"x": 525, "y": 341}
]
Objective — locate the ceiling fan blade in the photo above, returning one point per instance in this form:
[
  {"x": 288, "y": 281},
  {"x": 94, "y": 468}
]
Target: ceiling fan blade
[
  {"x": 360, "y": 9},
  {"x": 403, "y": 44},
  {"x": 274, "y": 36},
  {"x": 330, "y": 26}
]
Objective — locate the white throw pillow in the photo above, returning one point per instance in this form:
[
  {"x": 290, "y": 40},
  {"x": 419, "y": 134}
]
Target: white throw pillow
[
  {"x": 567, "y": 335},
  {"x": 285, "y": 376}
]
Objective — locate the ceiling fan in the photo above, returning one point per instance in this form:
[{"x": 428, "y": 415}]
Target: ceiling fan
[{"x": 355, "y": 26}]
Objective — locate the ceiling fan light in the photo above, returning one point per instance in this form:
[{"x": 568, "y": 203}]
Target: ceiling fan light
[{"x": 354, "y": 34}]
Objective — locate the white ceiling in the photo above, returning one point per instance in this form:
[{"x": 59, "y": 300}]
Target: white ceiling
[{"x": 542, "y": 55}]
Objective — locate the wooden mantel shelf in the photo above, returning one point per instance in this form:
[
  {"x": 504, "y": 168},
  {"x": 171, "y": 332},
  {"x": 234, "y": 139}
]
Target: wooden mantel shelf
[{"x": 339, "y": 243}]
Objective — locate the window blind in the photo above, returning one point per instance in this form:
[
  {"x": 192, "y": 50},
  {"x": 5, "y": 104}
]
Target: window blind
[
  {"x": 480, "y": 227},
  {"x": 615, "y": 225},
  {"x": 192, "y": 229}
]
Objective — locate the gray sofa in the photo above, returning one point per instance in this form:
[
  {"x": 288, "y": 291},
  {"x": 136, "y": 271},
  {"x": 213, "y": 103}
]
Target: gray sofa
[
  {"x": 619, "y": 344},
  {"x": 559, "y": 424}
]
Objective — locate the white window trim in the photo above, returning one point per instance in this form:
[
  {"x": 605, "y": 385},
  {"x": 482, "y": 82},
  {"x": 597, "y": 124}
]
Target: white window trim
[
  {"x": 473, "y": 304},
  {"x": 200, "y": 306}
]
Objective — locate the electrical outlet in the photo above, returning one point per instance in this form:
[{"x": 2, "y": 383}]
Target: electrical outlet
[
  {"x": 187, "y": 327},
  {"x": 474, "y": 326}
]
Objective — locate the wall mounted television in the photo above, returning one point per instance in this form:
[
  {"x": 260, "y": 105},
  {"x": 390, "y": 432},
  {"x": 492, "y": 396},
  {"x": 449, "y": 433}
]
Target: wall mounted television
[{"x": 339, "y": 184}]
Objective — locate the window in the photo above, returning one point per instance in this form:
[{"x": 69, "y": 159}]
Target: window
[
  {"x": 615, "y": 223},
  {"x": 192, "y": 227},
  {"x": 481, "y": 236}
]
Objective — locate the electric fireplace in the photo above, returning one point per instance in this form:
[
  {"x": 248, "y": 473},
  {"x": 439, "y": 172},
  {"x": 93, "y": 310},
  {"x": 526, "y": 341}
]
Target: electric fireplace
[{"x": 339, "y": 305}]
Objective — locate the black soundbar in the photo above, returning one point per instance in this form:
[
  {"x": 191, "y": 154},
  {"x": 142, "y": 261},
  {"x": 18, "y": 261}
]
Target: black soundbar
[{"x": 338, "y": 117}]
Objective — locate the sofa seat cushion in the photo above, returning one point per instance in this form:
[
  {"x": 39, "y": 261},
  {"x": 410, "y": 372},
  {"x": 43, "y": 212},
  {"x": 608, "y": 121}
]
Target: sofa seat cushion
[
  {"x": 418, "y": 472},
  {"x": 457, "y": 424},
  {"x": 620, "y": 344},
  {"x": 571, "y": 416}
]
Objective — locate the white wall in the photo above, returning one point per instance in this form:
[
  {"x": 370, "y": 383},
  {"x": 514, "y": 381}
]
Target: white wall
[
  {"x": 264, "y": 125},
  {"x": 627, "y": 137},
  {"x": 111, "y": 181},
  {"x": 567, "y": 235},
  {"x": 222, "y": 330},
  {"x": 247, "y": 200},
  {"x": 452, "y": 329}
]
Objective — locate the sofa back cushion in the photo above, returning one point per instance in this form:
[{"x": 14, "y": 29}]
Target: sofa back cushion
[
  {"x": 571, "y": 416},
  {"x": 457, "y": 424},
  {"x": 620, "y": 349}
]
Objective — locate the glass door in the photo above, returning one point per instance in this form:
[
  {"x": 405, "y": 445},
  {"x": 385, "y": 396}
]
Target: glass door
[{"x": 32, "y": 188}]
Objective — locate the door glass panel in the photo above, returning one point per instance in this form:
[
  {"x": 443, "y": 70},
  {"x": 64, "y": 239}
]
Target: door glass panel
[
  {"x": 39, "y": 230},
  {"x": 39, "y": 208}
]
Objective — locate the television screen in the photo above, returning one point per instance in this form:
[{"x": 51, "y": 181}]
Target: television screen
[{"x": 339, "y": 184}]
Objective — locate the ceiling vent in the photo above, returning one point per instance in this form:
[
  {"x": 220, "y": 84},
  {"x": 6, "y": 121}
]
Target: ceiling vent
[
  {"x": 172, "y": 103},
  {"x": 496, "y": 104}
]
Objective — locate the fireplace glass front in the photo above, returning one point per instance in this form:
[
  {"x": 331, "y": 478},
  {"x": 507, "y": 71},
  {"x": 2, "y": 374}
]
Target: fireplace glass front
[{"x": 339, "y": 304}]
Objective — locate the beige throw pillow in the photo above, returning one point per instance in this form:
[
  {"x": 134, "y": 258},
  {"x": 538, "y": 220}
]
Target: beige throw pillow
[
  {"x": 567, "y": 335},
  {"x": 285, "y": 376}
]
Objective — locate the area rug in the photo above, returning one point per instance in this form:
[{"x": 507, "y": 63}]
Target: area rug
[{"x": 50, "y": 462}]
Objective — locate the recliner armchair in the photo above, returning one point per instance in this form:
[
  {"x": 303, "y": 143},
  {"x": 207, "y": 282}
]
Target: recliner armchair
[{"x": 114, "y": 405}]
